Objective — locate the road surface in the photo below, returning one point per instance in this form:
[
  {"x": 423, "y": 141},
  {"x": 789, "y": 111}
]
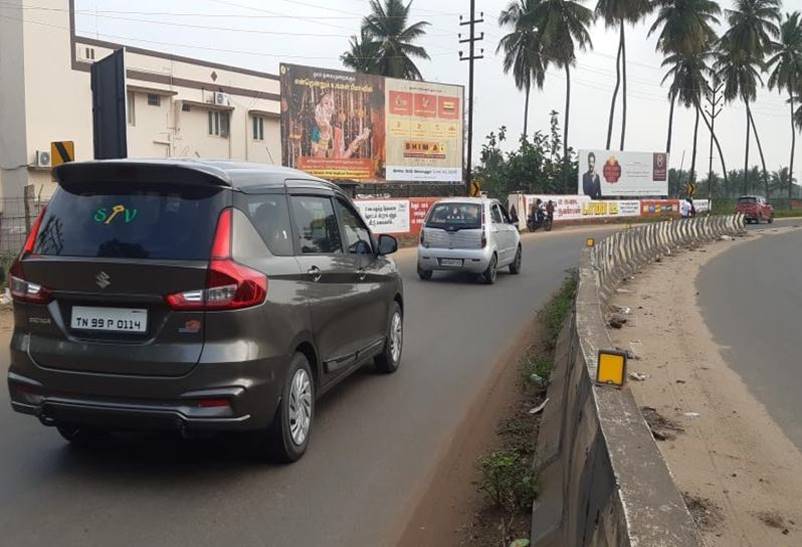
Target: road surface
[
  {"x": 375, "y": 440},
  {"x": 751, "y": 300}
]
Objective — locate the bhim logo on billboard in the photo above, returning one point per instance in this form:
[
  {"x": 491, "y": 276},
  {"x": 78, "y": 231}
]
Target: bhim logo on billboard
[{"x": 659, "y": 166}]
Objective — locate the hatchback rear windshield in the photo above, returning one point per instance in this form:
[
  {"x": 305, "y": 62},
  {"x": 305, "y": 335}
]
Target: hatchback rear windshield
[
  {"x": 455, "y": 216},
  {"x": 747, "y": 200},
  {"x": 150, "y": 221}
]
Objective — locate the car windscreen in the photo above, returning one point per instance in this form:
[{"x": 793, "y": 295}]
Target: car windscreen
[
  {"x": 455, "y": 216},
  {"x": 145, "y": 221},
  {"x": 747, "y": 200}
]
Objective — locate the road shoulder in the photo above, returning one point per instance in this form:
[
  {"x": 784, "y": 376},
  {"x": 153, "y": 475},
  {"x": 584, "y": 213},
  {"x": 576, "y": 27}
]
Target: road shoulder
[{"x": 741, "y": 475}]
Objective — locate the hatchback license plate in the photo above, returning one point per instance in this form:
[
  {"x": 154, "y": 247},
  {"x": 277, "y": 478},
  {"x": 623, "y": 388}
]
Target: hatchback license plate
[
  {"x": 451, "y": 262},
  {"x": 109, "y": 319}
]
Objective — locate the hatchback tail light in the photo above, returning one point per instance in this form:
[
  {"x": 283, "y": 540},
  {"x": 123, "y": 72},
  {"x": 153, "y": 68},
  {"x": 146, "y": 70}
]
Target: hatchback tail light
[
  {"x": 229, "y": 285},
  {"x": 23, "y": 290}
]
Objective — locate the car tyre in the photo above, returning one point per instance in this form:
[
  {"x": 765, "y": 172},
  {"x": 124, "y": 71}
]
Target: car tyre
[
  {"x": 288, "y": 436},
  {"x": 771, "y": 219},
  {"x": 515, "y": 266},
  {"x": 389, "y": 359},
  {"x": 425, "y": 275},
  {"x": 489, "y": 276}
]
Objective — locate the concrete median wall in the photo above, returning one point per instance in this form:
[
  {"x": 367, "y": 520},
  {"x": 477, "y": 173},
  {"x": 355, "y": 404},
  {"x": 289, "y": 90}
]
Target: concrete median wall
[{"x": 604, "y": 481}]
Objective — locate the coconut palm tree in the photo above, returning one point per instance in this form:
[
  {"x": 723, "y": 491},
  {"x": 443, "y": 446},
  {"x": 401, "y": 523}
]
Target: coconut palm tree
[
  {"x": 615, "y": 13},
  {"x": 387, "y": 25},
  {"x": 752, "y": 25},
  {"x": 787, "y": 73},
  {"x": 523, "y": 51},
  {"x": 563, "y": 25},
  {"x": 688, "y": 74},
  {"x": 686, "y": 28},
  {"x": 362, "y": 54}
]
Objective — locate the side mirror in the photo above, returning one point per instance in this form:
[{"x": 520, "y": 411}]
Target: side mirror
[{"x": 387, "y": 245}]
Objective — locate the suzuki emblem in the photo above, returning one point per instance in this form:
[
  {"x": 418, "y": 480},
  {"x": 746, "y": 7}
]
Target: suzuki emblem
[{"x": 103, "y": 280}]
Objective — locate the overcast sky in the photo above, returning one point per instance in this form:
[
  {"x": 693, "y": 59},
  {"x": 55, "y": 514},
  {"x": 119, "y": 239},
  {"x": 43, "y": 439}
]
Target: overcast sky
[{"x": 260, "y": 34}]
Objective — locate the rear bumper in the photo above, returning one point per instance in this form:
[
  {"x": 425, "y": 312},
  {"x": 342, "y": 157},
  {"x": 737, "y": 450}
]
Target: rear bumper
[
  {"x": 250, "y": 392},
  {"x": 473, "y": 260}
]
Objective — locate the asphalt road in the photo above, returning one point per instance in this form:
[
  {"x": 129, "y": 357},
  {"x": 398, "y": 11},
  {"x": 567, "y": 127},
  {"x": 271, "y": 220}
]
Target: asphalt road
[
  {"x": 751, "y": 300},
  {"x": 376, "y": 440}
]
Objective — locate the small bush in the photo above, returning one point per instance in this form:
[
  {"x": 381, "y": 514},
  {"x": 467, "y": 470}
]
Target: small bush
[
  {"x": 558, "y": 308},
  {"x": 508, "y": 480}
]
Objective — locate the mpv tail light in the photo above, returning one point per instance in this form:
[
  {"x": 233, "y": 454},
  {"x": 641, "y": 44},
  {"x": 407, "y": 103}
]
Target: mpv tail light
[
  {"x": 23, "y": 290},
  {"x": 229, "y": 285}
]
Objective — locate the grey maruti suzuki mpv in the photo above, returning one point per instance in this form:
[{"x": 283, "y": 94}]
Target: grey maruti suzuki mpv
[{"x": 197, "y": 295}]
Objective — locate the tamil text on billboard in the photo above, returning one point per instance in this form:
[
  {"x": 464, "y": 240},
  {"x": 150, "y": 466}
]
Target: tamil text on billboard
[
  {"x": 349, "y": 126},
  {"x": 605, "y": 173}
]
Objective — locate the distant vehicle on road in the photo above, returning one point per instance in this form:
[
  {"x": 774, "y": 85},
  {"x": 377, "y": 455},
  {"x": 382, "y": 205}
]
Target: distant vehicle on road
[
  {"x": 755, "y": 209},
  {"x": 197, "y": 296},
  {"x": 469, "y": 234}
]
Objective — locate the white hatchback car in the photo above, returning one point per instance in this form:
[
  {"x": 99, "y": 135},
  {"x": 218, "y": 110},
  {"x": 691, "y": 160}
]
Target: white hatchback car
[{"x": 468, "y": 234}]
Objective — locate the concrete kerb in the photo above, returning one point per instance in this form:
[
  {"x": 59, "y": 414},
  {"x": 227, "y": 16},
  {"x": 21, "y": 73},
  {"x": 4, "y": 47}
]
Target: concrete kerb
[{"x": 603, "y": 479}]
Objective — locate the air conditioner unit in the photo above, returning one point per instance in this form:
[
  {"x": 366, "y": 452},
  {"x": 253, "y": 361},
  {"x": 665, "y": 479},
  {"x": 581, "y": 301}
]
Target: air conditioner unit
[
  {"x": 220, "y": 98},
  {"x": 43, "y": 158}
]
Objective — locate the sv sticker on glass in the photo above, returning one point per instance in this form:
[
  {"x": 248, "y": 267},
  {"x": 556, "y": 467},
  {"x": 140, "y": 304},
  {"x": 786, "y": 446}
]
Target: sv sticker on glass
[{"x": 105, "y": 216}]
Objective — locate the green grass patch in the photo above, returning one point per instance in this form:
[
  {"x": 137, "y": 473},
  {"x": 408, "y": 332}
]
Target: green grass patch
[
  {"x": 554, "y": 313},
  {"x": 508, "y": 480}
]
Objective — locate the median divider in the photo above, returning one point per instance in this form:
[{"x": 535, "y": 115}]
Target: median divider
[{"x": 603, "y": 479}]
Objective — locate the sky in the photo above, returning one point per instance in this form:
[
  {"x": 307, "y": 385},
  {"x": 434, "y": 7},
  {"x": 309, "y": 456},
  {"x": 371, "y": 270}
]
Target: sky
[{"x": 259, "y": 34}]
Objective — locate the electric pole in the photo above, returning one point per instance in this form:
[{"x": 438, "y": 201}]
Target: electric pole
[
  {"x": 715, "y": 102},
  {"x": 471, "y": 57}
]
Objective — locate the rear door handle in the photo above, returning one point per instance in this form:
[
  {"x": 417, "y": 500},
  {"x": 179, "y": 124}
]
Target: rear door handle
[{"x": 315, "y": 273}]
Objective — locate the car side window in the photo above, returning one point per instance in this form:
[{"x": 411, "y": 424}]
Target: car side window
[
  {"x": 504, "y": 216},
  {"x": 355, "y": 234},
  {"x": 316, "y": 225},
  {"x": 495, "y": 214},
  {"x": 270, "y": 216}
]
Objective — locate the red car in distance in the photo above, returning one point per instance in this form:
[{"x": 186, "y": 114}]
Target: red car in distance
[{"x": 755, "y": 209}]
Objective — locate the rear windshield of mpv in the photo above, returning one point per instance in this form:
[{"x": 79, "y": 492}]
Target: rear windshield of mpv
[
  {"x": 747, "y": 200},
  {"x": 455, "y": 216},
  {"x": 145, "y": 221}
]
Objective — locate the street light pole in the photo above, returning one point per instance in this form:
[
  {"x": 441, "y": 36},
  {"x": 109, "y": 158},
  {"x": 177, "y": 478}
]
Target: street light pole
[{"x": 471, "y": 57}]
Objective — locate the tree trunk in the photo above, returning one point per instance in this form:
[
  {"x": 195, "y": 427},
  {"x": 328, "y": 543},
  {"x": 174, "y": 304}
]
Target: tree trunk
[
  {"x": 710, "y": 165},
  {"x": 615, "y": 95},
  {"x": 709, "y": 125},
  {"x": 526, "y": 110},
  {"x": 760, "y": 151},
  {"x": 692, "y": 177},
  {"x": 793, "y": 145},
  {"x": 624, "y": 89},
  {"x": 746, "y": 153},
  {"x": 566, "y": 159},
  {"x": 670, "y": 122}
]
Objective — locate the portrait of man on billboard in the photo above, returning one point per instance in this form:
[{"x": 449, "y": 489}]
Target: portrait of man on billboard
[{"x": 591, "y": 185}]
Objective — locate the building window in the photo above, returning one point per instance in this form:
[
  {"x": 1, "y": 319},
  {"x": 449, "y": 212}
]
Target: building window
[
  {"x": 258, "y": 128},
  {"x": 154, "y": 100},
  {"x": 90, "y": 53},
  {"x": 185, "y": 107},
  {"x": 131, "y": 109},
  {"x": 218, "y": 123}
]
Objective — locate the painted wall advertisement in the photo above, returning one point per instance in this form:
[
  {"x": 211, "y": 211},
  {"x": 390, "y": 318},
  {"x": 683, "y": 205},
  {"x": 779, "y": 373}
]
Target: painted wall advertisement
[
  {"x": 350, "y": 126},
  {"x": 605, "y": 173}
]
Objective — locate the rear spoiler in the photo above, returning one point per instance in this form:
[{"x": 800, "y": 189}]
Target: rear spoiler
[{"x": 138, "y": 171}]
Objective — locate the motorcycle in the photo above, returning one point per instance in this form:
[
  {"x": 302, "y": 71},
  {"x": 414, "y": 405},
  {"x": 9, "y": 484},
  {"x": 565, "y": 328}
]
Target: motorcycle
[{"x": 539, "y": 220}]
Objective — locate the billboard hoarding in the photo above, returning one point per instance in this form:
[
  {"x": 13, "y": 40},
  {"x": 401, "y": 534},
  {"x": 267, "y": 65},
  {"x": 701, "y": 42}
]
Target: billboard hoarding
[
  {"x": 385, "y": 216},
  {"x": 605, "y": 173},
  {"x": 349, "y": 126}
]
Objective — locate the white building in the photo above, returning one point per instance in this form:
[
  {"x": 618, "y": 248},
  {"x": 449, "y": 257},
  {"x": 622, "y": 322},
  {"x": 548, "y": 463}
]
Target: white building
[{"x": 176, "y": 106}]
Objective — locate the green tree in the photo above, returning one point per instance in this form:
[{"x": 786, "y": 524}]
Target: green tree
[
  {"x": 787, "y": 73},
  {"x": 523, "y": 51},
  {"x": 387, "y": 26},
  {"x": 564, "y": 28},
  {"x": 615, "y": 13},
  {"x": 686, "y": 28},
  {"x": 363, "y": 53},
  {"x": 742, "y": 49}
]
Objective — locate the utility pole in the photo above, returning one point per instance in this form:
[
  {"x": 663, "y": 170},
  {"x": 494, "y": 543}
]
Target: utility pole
[
  {"x": 471, "y": 57},
  {"x": 715, "y": 101}
]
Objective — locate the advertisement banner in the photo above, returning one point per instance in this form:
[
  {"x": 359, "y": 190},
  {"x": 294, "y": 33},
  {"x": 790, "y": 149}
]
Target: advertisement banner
[
  {"x": 659, "y": 207},
  {"x": 418, "y": 207},
  {"x": 385, "y": 216},
  {"x": 568, "y": 207},
  {"x": 605, "y": 173},
  {"x": 350, "y": 126}
]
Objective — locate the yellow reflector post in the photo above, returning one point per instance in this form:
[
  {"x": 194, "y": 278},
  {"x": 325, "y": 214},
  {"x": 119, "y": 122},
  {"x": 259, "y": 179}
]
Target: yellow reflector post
[
  {"x": 611, "y": 368},
  {"x": 590, "y": 242}
]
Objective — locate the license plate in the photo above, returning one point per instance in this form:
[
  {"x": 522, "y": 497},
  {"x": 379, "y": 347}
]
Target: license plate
[
  {"x": 451, "y": 262},
  {"x": 109, "y": 319}
]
